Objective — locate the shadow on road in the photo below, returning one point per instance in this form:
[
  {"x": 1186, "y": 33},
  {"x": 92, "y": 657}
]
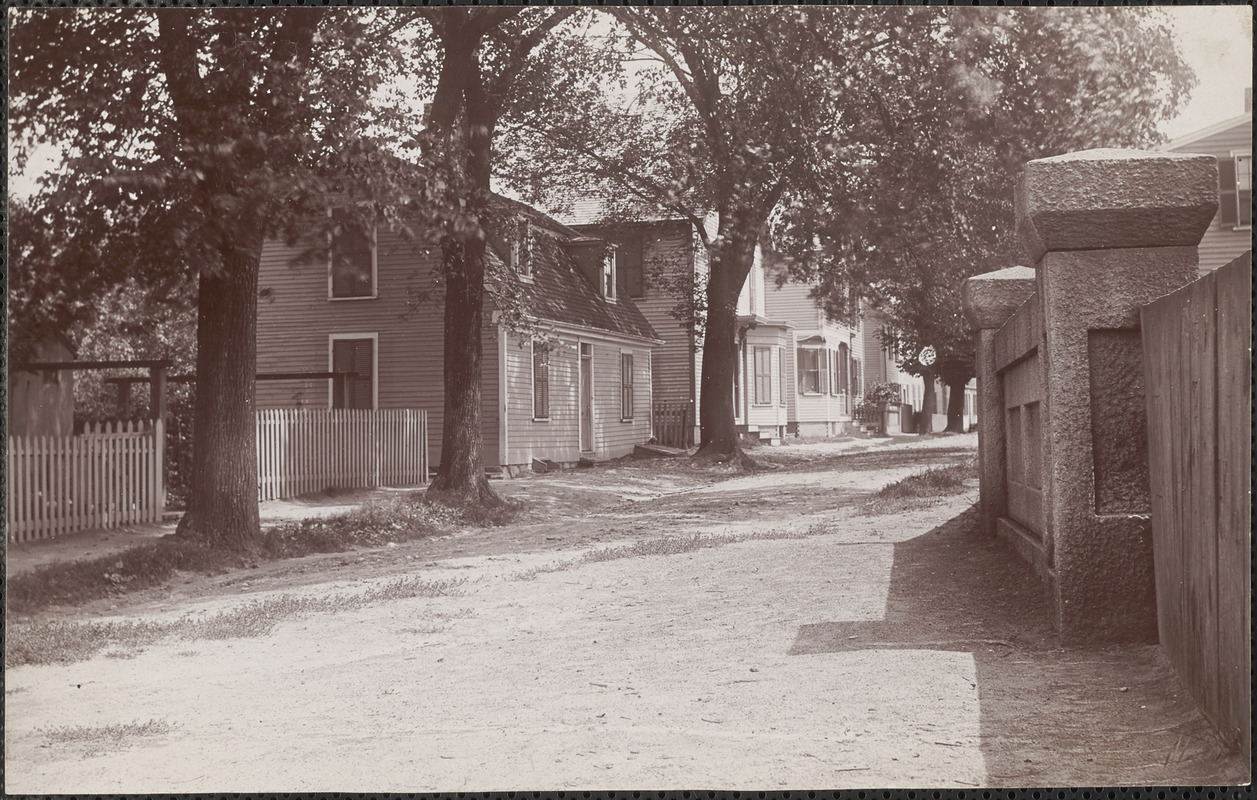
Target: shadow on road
[{"x": 1049, "y": 717}]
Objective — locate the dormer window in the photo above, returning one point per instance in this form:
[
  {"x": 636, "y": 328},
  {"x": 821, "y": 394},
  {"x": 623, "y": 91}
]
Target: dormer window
[
  {"x": 521, "y": 250},
  {"x": 351, "y": 259},
  {"x": 608, "y": 275}
]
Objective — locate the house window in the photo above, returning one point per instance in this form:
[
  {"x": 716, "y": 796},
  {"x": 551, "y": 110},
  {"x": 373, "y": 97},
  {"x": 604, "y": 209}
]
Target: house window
[
  {"x": 809, "y": 370},
  {"x": 540, "y": 382},
  {"x": 352, "y": 258},
  {"x": 822, "y": 357},
  {"x": 763, "y": 376},
  {"x": 626, "y": 387},
  {"x": 629, "y": 269},
  {"x": 1235, "y": 191},
  {"x": 781, "y": 375},
  {"x": 354, "y": 355},
  {"x": 857, "y": 384},
  {"x": 844, "y": 368},
  {"x": 608, "y": 276},
  {"x": 521, "y": 250},
  {"x": 835, "y": 370}
]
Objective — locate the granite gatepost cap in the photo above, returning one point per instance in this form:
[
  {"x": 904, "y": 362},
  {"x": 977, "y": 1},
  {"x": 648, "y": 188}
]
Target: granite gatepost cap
[
  {"x": 1098, "y": 199},
  {"x": 991, "y": 298}
]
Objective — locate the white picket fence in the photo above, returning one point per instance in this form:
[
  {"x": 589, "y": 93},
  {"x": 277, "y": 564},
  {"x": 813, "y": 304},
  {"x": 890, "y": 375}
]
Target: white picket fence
[
  {"x": 109, "y": 476},
  {"x": 309, "y": 450}
]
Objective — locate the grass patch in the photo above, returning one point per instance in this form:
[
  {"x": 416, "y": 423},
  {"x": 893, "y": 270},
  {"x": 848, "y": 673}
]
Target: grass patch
[
  {"x": 670, "y": 546},
  {"x": 99, "y": 738},
  {"x": 920, "y": 490},
  {"x": 378, "y": 523},
  {"x": 66, "y": 643}
]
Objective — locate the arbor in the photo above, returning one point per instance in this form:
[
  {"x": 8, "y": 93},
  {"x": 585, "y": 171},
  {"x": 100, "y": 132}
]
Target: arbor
[{"x": 192, "y": 136}]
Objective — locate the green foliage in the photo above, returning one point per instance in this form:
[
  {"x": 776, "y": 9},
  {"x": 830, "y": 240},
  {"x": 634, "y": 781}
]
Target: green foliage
[{"x": 875, "y": 397}]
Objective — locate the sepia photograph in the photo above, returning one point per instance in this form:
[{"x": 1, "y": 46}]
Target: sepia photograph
[{"x": 627, "y": 398}]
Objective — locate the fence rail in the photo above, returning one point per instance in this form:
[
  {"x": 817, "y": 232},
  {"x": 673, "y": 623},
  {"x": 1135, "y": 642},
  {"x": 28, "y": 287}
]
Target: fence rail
[
  {"x": 1198, "y": 365},
  {"x": 308, "y": 450},
  {"x": 111, "y": 475}
]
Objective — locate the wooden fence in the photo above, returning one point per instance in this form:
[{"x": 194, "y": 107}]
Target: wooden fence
[
  {"x": 1198, "y": 377},
  {"x": 674, "y": 423},
  {"x": 111, "y": 475},
  {"x": 309, "y": 450}
]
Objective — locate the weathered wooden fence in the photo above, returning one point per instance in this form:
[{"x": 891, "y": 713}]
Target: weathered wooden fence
[
  {"x": 308, "y": 450},
  {"x": 110, "y": 475},
  {"x": 674, "y": 422},
  {"x": 1198, "y": 377}
]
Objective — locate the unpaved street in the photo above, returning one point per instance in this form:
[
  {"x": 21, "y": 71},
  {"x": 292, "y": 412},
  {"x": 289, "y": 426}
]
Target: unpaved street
[{"x": 825, "y": 649}]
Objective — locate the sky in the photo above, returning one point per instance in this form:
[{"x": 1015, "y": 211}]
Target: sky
[{"x": 1216, "y": 41}]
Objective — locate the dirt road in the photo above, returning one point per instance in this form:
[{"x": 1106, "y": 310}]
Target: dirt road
[{"x": 794, "y": 643}]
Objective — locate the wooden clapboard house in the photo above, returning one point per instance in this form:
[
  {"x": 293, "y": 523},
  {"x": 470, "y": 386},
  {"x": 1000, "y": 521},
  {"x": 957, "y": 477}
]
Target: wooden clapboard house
[{"x": 578, "y": 387}]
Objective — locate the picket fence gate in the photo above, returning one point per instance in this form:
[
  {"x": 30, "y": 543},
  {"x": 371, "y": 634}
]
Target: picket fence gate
[
  {"x": 309, "y": 450},
  {"x": 106, "y": 477}
]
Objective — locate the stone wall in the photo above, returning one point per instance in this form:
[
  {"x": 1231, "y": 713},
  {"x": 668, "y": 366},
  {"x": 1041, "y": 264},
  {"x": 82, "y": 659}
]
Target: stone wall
[{"x": 1063, "y": 445}]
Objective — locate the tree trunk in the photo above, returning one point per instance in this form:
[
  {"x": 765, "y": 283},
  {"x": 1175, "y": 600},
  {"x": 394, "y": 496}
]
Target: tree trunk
[
  {"x": 732, "y": 259},
  {"x": 928, "y": 403},
  {"x": 222, "y": 508},
  {"x": 956, "y": 406},
  {"x": 461, "y": 473}
]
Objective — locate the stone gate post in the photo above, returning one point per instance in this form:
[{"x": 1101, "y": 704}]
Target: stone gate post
[
  {"x": 1110, "y": 230},
  {"x": 989, "y": 300}
]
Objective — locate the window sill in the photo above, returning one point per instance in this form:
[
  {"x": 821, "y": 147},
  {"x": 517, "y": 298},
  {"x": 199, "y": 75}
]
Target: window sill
[
  {"x": 363, "y": 297},
  {"x": 626, "y": 419},
  {"x": 540, "y": 419},
  {"x": 1247, "y": 227}
]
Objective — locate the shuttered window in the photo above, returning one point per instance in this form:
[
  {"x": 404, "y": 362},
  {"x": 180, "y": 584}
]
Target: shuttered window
[
  {"x": 630, "y": 270},
  {"x": 1235, "y": 191},
  {"x": 844, "y": 368},
  {"x": 809, "y": 370},
  {"x": 540, "y": 382},
  {"x": 763, "y": 376},
  {"x": 355, "y": 356},
  {"x": 352, "y": 258},
  {"x": 626, "y": 386}
]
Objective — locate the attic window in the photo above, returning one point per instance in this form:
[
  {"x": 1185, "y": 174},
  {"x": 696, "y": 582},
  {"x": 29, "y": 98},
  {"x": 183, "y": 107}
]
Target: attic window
[
  {"x": 608, "y": 275},
  {"x": 521, "y": 250},
  {"x": 351, "y": 258}
]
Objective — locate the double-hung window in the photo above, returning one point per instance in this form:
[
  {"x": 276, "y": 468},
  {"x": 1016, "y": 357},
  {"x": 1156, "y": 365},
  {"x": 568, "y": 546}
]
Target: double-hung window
[
  {"x": 353, "y": 357},
  {"x": 608, "y": 276},
  {"x": 1235, "y": 190},
  {"x": 809, "y": 370},
  {"x": 626, "y": 386},
  {"x": 540, "y": 382},
  {"x": 352, "y": 258},
  {"x": 763, "y": 376}
]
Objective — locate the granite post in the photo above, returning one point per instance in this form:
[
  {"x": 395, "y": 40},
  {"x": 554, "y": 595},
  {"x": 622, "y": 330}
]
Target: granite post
[
  {"x": 1110, "y": 230},
  {"x": 989, "y": 300}
]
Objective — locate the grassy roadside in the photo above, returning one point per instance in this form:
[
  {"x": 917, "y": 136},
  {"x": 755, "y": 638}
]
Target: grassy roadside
[
  {"x": 921, "y": 489},
  {"x": 379, "y": 522}
]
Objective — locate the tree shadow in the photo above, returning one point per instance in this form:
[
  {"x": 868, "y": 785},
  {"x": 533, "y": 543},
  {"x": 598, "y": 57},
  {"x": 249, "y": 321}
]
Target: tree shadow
[{"x": 1115, "y": 715}]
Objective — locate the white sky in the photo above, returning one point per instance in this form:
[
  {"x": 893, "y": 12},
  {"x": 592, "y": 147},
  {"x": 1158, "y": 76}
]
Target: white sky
[{"x": 1216, "y": 41}]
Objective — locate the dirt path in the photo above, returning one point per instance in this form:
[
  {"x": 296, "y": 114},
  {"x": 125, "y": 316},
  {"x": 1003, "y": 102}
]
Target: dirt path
[{"x": 863, "y": 652}]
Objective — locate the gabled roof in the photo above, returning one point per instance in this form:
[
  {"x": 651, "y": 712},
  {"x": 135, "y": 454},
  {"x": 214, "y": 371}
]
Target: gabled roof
[
  {"x": 559, "y": 290},
  {"x": 1205, "y": 133}
]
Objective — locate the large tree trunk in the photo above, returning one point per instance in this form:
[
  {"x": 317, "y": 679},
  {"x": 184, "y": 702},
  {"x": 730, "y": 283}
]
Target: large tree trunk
[
  {"x": 222, "y": 507},
  {"x": 956, "y": 405},
  {"x": 461, "y": 473},
  {"x": 732, "y": 259}
]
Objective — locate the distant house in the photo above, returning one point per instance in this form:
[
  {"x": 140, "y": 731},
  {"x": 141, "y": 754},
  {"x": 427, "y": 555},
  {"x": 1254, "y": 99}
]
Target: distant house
[
  {"x": 578, "y": 389},
  {"x": 1231, "y": 142}
]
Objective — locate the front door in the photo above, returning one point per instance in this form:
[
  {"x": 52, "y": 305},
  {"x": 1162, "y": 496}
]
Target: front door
[{"x": 586, "y": 398}]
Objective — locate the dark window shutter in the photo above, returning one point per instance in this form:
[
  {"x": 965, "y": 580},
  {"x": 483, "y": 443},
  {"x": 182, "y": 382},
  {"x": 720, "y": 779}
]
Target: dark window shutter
[
  {"x": 633, "y": 281},
  {"x": 1228, "y": 203}
]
